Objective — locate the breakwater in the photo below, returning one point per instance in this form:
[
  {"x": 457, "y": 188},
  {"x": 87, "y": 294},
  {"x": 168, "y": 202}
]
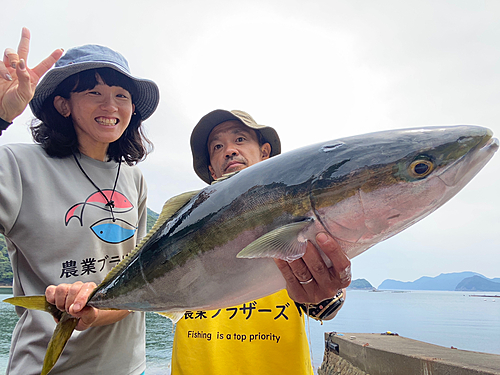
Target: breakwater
[{"x": 385, "y": 354}]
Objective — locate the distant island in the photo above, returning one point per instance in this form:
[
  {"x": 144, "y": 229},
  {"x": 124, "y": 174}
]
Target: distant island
[
  {"x": 360, "y": 284},
  {"x": 478, "y": 283},
  {"x": 459, "y": 281}
]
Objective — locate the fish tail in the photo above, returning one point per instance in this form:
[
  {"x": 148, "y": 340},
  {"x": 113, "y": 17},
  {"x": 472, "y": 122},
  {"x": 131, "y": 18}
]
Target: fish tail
[
  {"x": 35, "y": 303},
  {"x": 61, "y": 334},
  {"x": 60, "y": 337}
]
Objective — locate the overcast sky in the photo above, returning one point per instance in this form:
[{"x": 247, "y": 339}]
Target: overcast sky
[{"x": 315, "y": 71}]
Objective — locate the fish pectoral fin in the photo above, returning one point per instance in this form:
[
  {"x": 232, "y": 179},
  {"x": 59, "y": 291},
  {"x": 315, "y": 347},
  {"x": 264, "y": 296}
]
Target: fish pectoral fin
[
  {"x": 281, "y": 243},
  {"x": 35, "y": 303},
  {"x": 60, "y": 337},
  {"x": 173, "y": 316}
]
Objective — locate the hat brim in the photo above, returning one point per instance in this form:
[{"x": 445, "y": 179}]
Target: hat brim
[
  {"x": 202, "y": 130},
  {"x": 148, "y": 94}
]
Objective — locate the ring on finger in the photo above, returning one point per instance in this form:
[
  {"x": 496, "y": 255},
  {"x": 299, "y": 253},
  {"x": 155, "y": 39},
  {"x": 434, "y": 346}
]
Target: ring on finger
[{"x": 306, "y": 282}]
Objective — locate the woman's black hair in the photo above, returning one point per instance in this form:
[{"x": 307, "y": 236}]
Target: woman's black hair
[{"x": 57, "y": 135}]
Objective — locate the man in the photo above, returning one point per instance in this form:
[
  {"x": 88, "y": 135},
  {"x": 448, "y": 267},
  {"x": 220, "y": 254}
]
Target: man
[{"x": 265, "y": 336}]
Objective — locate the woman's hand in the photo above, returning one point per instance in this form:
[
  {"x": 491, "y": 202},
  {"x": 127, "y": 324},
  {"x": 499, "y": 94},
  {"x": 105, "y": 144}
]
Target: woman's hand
[
  {"x": 17, "y": 81},
  {"x": 72, "y": 298}
]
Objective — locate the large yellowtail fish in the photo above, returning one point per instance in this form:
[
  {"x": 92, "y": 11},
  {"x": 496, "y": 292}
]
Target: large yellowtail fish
[{"x": 212, "y": 248}]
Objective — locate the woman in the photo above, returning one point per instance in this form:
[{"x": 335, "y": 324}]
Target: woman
[{"x": 73, "y": 204}]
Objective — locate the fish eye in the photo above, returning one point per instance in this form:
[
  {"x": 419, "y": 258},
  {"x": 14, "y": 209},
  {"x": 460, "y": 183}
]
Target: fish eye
[{"x": 421, "y": 168}]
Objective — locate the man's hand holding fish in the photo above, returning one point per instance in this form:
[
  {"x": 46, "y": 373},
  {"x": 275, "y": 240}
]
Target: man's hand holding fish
[{"x": 309, "y": 280}]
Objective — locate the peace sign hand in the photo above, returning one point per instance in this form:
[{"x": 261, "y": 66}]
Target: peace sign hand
[{"x": 17, "y": 81}]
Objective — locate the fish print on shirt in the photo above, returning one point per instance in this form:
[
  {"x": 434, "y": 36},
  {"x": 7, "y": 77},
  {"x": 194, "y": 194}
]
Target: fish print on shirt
[{"x": 111, "y": 228}]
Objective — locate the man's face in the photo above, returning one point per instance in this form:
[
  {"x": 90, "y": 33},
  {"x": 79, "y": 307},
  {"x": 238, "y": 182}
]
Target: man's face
[{"x": 233, "y": 146}]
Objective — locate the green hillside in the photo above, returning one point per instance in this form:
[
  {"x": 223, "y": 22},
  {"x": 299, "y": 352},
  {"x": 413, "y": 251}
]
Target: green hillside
[
  {"x": 5, "y": 268},
  {"x": 152, "y": 217}
]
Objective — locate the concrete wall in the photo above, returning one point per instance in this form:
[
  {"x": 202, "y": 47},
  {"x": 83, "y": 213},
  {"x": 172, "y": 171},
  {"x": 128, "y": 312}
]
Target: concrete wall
[{"x": 377, "y": 354}]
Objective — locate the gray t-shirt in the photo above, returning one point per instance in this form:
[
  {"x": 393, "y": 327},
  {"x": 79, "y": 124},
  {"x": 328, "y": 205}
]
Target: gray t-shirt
[{"x": 58, "y": 229}]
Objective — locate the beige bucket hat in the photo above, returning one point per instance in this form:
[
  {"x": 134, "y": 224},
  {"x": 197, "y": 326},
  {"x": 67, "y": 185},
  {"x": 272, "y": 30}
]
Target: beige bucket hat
[{"x": 199, "y": 137}]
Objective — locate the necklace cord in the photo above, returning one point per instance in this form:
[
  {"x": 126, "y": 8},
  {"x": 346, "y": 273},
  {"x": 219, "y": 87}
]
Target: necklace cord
[{"x": 110, "y": 202}]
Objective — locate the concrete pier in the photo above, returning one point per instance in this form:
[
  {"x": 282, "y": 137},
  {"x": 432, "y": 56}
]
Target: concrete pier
[{"x": 379, "y": 354}]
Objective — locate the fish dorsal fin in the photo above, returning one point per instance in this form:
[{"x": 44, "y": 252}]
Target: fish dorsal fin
[
  {"x": 281, "y": 243},
  {"x": 224, "y": 177},
  {"x": 170, "y": 207},
  {"x": 173, "y": 316}
]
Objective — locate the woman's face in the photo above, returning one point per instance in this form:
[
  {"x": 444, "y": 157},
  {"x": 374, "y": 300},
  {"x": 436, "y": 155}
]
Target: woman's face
[{"x": 100, "y": 116}]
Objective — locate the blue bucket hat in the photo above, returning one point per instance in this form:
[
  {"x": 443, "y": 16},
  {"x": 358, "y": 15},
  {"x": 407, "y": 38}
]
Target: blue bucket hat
[{"x": 93, "y": 56}]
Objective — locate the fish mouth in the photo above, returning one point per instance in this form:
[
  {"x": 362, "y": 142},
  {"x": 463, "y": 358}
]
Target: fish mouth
[
  {"x": 493, "y": 143},
  {"x": 465, "y": 168}
]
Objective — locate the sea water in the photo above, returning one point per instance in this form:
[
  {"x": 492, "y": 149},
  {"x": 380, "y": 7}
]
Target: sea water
[{"x": 443, "y": 318}]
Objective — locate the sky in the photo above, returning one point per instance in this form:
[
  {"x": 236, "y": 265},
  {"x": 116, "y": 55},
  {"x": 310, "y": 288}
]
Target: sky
[{"x": 314, "y": 70}]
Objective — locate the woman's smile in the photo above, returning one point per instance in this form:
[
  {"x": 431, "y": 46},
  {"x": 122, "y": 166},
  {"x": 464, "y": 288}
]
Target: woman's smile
[{"x": 107, "y": 121}]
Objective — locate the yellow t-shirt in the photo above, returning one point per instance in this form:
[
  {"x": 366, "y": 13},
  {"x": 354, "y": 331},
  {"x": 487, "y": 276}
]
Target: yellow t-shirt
[{"x": 266, "y": 336}]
